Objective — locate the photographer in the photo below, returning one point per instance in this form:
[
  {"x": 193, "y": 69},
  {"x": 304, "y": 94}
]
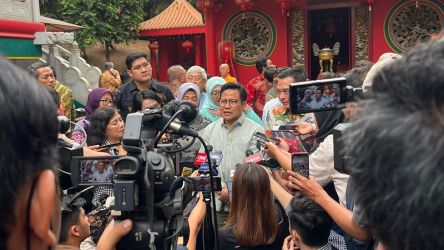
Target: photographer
[
  {"x": 28, "y": 163},
  {"x": 396, "y": 152}
]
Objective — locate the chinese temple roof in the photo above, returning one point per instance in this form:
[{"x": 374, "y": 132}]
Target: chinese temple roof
[{"x": 179, "y": 18}]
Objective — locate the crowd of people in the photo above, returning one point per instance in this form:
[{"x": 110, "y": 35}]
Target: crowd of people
[{"x": 390, "y": 199}]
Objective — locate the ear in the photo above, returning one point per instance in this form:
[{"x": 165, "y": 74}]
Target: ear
[
  {"x": 43, "y": 207},
  {"x": 75, "y": 230},
  {"x": 297, "y": 239},
  {"x": 129, "y": 73},
  {"x": 381, "y": 246}
]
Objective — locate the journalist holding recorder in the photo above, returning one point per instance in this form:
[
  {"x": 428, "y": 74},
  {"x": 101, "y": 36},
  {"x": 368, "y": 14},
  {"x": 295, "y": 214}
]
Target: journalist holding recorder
[
  {"x": 28, "y": 170},
  {"x": 30, "y": 195}
]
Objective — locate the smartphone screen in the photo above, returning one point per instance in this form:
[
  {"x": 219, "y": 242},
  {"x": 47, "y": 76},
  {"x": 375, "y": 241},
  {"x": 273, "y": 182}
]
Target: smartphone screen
[
  {"x": 87, "y": 171},
  {"x": 203, "y": 183},
  {"x": 314, "y": 96},
  {"x": 300, "y": 163}
]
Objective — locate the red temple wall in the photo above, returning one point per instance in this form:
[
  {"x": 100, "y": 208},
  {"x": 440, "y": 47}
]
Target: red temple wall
[
  {"x": 378, "y": 41},
  {"x": 279, "y": 54}
]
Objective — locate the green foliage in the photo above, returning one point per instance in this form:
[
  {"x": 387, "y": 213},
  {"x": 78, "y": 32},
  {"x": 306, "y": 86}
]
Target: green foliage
[{"x": 105, "y": 21}]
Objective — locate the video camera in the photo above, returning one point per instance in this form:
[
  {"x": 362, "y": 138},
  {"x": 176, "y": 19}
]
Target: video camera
[
  {"x": 310, "y": 96},
  {"x": 146, "y": 187}
]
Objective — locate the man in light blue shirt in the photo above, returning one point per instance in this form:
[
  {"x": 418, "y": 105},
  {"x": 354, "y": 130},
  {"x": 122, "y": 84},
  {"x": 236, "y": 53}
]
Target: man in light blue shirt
[{"x": 233, "y": 133}]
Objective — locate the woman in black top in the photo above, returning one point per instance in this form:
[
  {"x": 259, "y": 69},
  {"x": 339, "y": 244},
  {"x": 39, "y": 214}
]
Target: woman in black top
[{"x": 255, "y": 220}]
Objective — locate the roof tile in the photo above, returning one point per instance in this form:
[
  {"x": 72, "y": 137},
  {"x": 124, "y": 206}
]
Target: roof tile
[{"x": 180, "y": 14}]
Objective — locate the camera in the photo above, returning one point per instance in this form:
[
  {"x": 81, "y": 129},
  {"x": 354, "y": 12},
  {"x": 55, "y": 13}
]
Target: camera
[{"x": 310, "y": 96}]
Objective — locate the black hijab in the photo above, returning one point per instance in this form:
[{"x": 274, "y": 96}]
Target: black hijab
[{"x": 327, "y": 120}]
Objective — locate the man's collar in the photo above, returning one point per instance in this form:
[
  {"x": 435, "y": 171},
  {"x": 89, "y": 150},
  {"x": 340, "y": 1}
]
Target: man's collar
[
  {"x": 133, "y": 87},
  {"x": 239, "y": 121}
]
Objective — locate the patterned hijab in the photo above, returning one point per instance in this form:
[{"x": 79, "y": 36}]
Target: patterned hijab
[
  {"x": 184, "y": 88},
  {"x": 93, "y": 102},
  {"x": 211, "y": 84}
]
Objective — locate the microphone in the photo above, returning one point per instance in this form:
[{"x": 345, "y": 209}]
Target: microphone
[
  {"x": 189, "y": 112},
  {"x": 201, "y": 158}
]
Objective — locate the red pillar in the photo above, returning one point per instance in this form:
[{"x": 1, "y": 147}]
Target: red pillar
[
  {"x": 198, "y": 54},
  {"x": 210, "y": 42}
]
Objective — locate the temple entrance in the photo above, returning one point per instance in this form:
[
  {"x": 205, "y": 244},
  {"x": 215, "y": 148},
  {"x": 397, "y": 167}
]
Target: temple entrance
[{"x": 329, "y": 29}]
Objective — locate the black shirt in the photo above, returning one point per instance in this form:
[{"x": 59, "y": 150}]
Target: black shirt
[{"x": 124, "y": 100}]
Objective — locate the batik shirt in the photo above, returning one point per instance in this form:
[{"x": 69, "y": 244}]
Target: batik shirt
[{"x": 281, "y": 116}]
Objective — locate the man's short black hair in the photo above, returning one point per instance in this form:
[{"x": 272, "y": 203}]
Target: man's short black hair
[
  {"x": 70, "y": 217},
  {"x": 134, "y": 56},
  {"x": 28, "y": 138},
  {"x": 310, "y": 221},
  {"x": 261, "y": 64},
  {"x": 235, "y": 86},
  {"x": 270, "y": 73},
  {"x": 396, "y": 151},
  {"x": 298, "y": 74},
  {"x": 355, "y": 77}
]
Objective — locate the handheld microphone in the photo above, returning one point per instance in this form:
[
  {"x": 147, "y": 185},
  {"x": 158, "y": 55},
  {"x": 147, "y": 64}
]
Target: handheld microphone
[{"x": 201, "y": 158}]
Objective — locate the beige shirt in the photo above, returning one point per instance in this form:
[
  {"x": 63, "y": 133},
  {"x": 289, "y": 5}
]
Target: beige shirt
[{"x": 232, "y": 142}]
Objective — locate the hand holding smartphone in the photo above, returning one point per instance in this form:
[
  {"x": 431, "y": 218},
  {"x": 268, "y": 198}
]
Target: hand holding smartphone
[{"x": 300, "y": 163}]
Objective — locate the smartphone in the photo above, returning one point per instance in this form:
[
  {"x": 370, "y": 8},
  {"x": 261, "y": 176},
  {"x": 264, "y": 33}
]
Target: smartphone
[
  {"x": 109, "y": 145},
  {"x": 88, "y": 171},
  {"x": 203, "y": 183},
  {"x": 262, "y": 139},
  {"x": 300, "y": 163},
  {"x": 319, "y": 95}
]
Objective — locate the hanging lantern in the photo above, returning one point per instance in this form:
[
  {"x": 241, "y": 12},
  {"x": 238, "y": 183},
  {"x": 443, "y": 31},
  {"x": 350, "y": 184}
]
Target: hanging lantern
[
  {"x": 205, "y": 5},
  {"x": 370, "y": 2},
  {"x": 187, "y": 45},
  {"x": 284, "y": 5},
  {"x": 244, "y": 4}
]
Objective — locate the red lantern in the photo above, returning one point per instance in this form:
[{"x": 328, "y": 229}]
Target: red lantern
[
  {"x": 187, "y": 45},
  {"x": 205, "y": 5},
  {"x": 244, "y": 4},
  {"x": 284, "y": 4}
]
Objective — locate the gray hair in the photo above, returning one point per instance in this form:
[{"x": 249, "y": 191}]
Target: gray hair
[
  {"x": 109, "y": 65},
  {"x": 35, "y": 66},
  {"x": 196, "y": 68}
]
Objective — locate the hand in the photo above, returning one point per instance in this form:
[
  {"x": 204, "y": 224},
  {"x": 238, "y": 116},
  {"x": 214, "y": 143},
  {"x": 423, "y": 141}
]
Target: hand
[
  {"x": 114, "y": 72},
  {"x": 121, "y": 150},
  {"x": 283, "y": 144},
  {"x": 197, "y": 215},
  {"x": 113, "y": 233},
  {"x": 96, "y": 148},
  {"x": 288, "y": 243},
  {"x": 224, "y": 196},
  {"x": 272, "y": 149},
  {"x": 309, "y": 187},
  {"x": 304, "y": 128}
]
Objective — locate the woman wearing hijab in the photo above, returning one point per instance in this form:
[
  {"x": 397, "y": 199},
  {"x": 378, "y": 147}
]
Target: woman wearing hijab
[
  {"x": 97, "y": 98},
  {"x": 211, "y": 110},
  {"x": 190, "y": 92}
]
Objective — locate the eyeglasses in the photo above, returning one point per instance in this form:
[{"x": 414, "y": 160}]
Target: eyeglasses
[
  {"x": 215, "y": 92},
  {"x": 194, "y": 78},
  {"x": 224, "y": 102},
  {"x": 106, "y": 101}
]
